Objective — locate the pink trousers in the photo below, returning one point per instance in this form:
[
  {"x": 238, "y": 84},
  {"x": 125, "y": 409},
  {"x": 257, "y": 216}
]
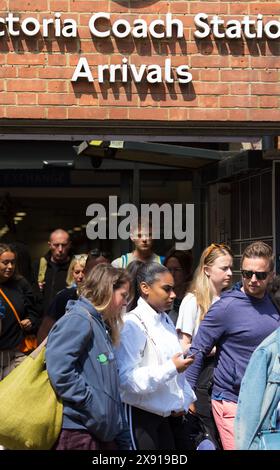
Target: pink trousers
[{"x": 224, "y": 413}]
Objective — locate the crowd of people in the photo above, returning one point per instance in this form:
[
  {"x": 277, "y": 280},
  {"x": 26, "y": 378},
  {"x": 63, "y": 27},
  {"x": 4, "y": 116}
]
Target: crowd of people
[{"x": 145, "y": 352}]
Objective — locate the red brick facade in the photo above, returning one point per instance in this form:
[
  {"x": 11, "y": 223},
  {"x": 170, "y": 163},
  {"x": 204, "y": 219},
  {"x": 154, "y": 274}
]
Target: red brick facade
[{"x": 233, "y": 79}]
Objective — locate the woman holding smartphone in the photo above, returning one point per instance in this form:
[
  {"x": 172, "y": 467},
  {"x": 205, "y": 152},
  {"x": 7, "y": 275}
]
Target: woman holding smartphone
[{"x": 151, "y": 366}]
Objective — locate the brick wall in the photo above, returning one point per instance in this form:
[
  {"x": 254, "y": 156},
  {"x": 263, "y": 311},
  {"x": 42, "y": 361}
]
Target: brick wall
[{"x": 236, "y": 80}]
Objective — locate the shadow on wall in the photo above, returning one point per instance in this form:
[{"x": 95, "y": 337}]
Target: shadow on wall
[
  {"x": 131, "y": 91},
  {"x": 136, "y": 3},
  {"x": 51, "y": 44},
  {"x": 167, "y": 53},
  {"x": 238, "y": 47}
]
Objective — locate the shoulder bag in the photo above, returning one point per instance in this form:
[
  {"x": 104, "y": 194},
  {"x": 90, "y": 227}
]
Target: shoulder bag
[{"x": 30, "y": 412}]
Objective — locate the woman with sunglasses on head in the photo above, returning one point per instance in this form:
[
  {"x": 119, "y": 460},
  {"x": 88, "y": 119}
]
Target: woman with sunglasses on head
[
  {"x": 236, "y": 325},
  {"x": 151, "y": 366},
  {"x": 212, "y": 275}
]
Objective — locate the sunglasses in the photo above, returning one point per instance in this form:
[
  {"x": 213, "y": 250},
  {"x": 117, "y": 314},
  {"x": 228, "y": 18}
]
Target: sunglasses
[
  {"x": 219, "y": 246},
  {"x": 80, "y": 257},
  {"x": 260, "y": 275}
]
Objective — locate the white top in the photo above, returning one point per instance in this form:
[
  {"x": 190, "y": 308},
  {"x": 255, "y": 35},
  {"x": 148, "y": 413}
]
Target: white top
[
  {"x": 148, "y": 377},
  {"x": 188, "y": 318},
  {"x": 189, "y": 314},
  {"x": 124, "y": 260}
]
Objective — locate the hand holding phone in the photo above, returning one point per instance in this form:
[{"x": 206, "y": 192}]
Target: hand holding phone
[{"x": 187, "y": 353}]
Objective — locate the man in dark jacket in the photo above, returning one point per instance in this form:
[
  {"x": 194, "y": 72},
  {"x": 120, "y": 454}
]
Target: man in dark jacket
[
  {"x": 50, "y": 271},
  {"x": 236, "y": 325}
]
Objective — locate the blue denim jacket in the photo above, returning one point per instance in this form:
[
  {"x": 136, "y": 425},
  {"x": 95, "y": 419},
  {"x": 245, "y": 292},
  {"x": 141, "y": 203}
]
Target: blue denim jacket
[
  {"x": 259, "y": 393},
  {"x": 83, "y": 371}
]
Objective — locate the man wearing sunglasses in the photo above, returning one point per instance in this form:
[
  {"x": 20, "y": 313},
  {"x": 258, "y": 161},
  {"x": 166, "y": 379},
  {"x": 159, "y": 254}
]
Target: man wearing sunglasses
[{"x": 236, "y": 325}]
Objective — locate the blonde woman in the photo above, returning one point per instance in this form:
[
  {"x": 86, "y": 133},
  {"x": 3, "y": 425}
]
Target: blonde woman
[
  {"x": 212, "y": 275},
  {"x": 81, "y": 362},
  {"x": 75, "y": 274}
]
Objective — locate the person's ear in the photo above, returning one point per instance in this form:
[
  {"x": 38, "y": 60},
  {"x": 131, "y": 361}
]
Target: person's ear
[
  {"x": 145, "y": 288},
  {"x": 206, "y": 272}
]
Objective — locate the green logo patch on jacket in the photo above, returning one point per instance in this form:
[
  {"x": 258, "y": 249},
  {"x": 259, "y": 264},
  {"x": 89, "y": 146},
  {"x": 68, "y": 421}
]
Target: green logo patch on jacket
[{"x": 102, "y": 358}]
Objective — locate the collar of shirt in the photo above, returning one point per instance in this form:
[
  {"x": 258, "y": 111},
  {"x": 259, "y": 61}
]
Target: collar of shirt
[{"x": 148, "y": 314}]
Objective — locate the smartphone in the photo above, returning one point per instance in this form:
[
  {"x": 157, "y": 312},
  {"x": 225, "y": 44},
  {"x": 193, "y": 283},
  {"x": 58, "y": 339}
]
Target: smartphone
[{"x": 193, "y": 354}]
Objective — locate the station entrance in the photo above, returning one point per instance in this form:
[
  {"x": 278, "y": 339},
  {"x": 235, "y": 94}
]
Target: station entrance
[{"x": 48, "y": 184}]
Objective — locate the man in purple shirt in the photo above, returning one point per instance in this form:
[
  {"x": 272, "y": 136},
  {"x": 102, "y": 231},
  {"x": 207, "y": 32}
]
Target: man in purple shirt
[{"x": 236, "y": 325}]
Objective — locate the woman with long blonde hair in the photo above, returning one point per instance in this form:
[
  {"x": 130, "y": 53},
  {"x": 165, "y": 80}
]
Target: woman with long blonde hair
[{"x": 212, "y": 275}]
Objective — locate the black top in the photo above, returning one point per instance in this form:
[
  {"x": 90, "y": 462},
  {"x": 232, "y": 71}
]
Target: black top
[
  {"x": 20, "y": 294},
  {"x": 55, "y": 280},
  {"x": 58, "y": 305}
]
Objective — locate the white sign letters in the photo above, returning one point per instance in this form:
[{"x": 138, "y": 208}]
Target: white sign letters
[{"x": 166, "y": 27}]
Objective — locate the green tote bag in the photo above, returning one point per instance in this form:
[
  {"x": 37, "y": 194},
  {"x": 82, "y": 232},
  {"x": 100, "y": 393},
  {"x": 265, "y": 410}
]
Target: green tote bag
[{"x": 30, "y": 412}]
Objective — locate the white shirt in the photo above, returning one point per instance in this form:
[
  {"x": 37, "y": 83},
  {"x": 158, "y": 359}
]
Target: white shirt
[
  {"x": 148, "y": 377},
  {"x": 189, "y": 315},
  {"x": 123, "y": 261}
]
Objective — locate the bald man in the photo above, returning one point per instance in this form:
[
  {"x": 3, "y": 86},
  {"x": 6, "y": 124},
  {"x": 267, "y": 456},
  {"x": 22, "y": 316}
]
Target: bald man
[{"x": 51, "y": 270}]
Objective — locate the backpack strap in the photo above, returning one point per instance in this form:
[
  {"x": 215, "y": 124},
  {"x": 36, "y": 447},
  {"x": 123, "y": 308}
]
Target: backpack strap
[
  {"x": 145, "y": 328},
  {"x": 125, "y": 260},
  {"x": 148, "y": 337},
  {"x": 37, "y": 351},
  {"x": 42, "y": 269}
]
